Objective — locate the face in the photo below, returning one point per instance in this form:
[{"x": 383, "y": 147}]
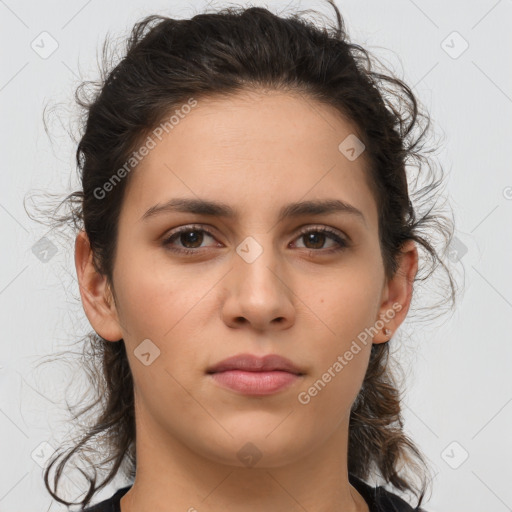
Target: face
[{"x": 193, "y": 288}]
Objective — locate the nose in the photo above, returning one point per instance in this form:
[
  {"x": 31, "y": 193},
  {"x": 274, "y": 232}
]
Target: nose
[{"x": 259, "y": 294}]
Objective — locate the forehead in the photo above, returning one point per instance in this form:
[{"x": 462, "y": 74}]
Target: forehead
[{"x": 252, "y": 149}]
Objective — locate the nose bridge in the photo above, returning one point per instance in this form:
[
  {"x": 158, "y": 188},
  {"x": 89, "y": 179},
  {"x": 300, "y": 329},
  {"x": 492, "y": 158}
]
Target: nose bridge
[
  {"x": 257, "y": 290},
  {"x": 258, "y": 263}
]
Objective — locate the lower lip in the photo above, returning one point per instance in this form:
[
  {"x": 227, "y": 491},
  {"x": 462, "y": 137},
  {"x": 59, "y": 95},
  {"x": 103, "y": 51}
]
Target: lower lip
[{"x": 255, "y": 383}]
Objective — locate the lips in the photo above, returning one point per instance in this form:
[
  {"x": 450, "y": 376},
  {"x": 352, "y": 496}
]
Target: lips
[
  {"x": 250, "y": 375},
  {"x": 251, "y": 363}
]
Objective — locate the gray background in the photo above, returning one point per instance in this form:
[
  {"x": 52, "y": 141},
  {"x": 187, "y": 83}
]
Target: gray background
[{"x": 458, "y": 405}]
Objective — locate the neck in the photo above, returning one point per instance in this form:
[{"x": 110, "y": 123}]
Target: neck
[{"x": 171, "y": 477}]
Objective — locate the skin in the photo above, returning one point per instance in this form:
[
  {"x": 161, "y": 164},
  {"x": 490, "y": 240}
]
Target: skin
[{"x": 256, "y": 151}]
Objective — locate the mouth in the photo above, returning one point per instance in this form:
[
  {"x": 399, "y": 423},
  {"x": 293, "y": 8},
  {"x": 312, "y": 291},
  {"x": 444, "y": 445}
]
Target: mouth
[{"x": 257, "y": 376}]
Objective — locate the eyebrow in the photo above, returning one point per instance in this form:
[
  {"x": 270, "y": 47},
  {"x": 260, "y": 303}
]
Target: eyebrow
[{"x": 219, "y": 209}]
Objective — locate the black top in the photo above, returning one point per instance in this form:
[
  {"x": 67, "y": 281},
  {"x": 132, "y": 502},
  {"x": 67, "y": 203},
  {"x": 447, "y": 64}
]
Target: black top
[{"x": 377, "y": 498}]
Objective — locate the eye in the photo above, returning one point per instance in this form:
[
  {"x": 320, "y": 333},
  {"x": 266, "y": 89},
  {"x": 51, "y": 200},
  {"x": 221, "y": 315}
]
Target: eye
[
  {"x": 192, "y": 237},
  {"x": 189, "y": 236},
  {"x": 317, "y": 236}
]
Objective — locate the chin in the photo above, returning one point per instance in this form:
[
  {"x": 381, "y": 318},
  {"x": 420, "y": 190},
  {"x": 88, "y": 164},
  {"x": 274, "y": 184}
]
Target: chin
[{"x": 256, "y": 446}]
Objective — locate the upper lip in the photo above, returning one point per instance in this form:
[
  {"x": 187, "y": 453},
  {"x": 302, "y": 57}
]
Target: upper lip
[{"x": 252, "y": 363}]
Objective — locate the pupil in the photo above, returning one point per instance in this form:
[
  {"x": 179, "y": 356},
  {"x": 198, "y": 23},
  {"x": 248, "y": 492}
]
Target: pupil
[
  {"x": 191, "y": 237},
  {"x": 314, "y": 236}
]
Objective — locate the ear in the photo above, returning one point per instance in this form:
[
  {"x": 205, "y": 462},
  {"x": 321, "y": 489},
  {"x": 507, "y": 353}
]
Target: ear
[
  {"x": 397, "y": 293},
  {"x": 97, "y": 299}
]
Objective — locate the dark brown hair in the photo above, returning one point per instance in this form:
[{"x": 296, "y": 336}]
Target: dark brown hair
[{"x": 167, "y": 62}]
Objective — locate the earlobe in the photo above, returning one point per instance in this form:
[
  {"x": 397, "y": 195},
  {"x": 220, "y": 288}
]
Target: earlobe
[
  {"x": 397, "y": 294},
  {"x": 97, "y": 299}
]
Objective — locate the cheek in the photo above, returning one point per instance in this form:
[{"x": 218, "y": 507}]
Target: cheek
[
  {"x": 159, "y": 303},
  {"x": 167, "y": 305},
  {"x": 345, "y": 305},
  {"x": 156, "y": 299},
  {"x": 341, "y": 357}
]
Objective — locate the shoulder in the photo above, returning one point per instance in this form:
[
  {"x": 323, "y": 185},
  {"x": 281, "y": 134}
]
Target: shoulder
[
  {"x": 380, "y": 499},
  {"x": 111, "y": 504}
]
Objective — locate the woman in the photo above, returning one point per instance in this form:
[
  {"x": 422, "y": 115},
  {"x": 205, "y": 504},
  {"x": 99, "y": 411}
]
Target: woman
[{"x": 247, "y": 248}]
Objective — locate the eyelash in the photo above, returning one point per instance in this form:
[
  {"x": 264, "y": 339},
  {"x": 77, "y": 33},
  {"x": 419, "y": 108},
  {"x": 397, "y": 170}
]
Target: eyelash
[{"x": 342, "y": 243}]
